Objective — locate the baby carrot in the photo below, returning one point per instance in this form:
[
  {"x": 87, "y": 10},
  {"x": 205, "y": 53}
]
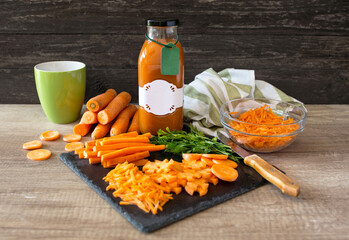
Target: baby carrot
[
  {"x": 82, "y": 129},
  {"x": 134, "y": 125},
  {"x": 114, "y": 108},
  {"x": 101, "y": 130},
  {"x": 89, "y": 117},
  {"x": 49, "y": 135},
  {"x": 32, "y": 145},
  {"x": 98, "y": 102},
  {"x": 39, "y": 154},
  {"x": 122, "y": 120}
]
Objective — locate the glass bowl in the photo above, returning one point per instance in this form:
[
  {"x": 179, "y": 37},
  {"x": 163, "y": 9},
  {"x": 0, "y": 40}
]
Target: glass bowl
[{"x": 262, "y": 138}]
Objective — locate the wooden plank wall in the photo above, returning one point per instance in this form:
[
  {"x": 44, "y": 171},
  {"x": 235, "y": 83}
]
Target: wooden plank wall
[{"x": 302, "y": 47}]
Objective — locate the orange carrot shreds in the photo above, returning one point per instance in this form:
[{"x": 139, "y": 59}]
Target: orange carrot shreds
[
  {"x": 140, "y": 162},
  {"x": 72, "y": 138},
  {"x": 39, "y": 154},
  {"x": 139, "y": 139},
  {"x": 226, "y": 162},
  {"x": 224, "y": 172},
  {"x": 35, "y": 144},
  {"x": 118, "y": 146},
  {"x": 131, "y": 150},
  {"x": 216, "y": 156},
  {"x": 134, "y": 187},
  {"x": 123, "y": 120},
  {"x": 134, "y": 125},
  {"x": 265, "y": 123},
  {"x": 191, "y": 156},
  {"x": 82, "y": 129},
  {"x": 232, "y": 113},
  {"x": 73, "y": 146},
  {"x": 127, "y": 158},
  {"x": 101, "y": 130},
  {"x": 49, "y": 136},
  {"x": 98, "y": 102},
  {"x": 94, "y": 160},
  {"x": 114, "y": 108},
  {"x": 89, "y": 117}
]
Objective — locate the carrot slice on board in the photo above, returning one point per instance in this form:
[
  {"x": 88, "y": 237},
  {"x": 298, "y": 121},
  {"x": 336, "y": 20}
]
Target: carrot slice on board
[
  {"x": 49, "y": 135},
  {"x": 191, "y": 156},
  {"x": 224, "y": 172},
  {"x": 72, "y": 138},
  {"x": 208, "y": 161},
  {"x": 226, "y": 162},
  {"x": 39, "y": 154},
  {"x": 215, "y": 156},
  {"x": 32, "y": 145},
  {"x": 73, "y": 146}
]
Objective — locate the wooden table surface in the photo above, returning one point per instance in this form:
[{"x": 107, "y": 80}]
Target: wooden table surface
[{"x": 47, "y": 200}]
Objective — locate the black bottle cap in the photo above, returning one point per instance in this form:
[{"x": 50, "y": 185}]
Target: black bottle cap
[{"x": 162, "y": 22}]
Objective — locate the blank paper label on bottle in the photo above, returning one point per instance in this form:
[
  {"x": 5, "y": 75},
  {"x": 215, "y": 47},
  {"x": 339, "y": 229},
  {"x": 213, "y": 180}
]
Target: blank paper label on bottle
[
  {"x": 170, "y": 60},
  {"x": 160, "y": 97}
]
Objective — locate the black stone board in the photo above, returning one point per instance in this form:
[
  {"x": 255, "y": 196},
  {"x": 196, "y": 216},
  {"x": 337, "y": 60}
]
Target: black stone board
[{"x": 182, "y": 205}]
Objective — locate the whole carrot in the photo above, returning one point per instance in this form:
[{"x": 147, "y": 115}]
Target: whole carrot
[
  {"x": 134, "y": 125},
  {"x": 89, "y": 117},
  {"x": 101, "y": 130},
  {"x": 98, "y": 102},
  {"x": 82, "y": 128},
  {"x": 122, "y": 120},
  {"x": 114, "y": 108}
]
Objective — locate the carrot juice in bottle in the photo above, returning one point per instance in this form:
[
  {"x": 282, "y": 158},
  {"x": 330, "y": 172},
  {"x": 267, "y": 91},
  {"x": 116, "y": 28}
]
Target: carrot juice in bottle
[{"x": 160, "y": 78}]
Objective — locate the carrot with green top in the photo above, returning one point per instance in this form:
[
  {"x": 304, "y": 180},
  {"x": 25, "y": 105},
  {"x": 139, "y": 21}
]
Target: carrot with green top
[
  {"x": 100, "y": 101},
  {"x": 114, "y": 108},
  {"x": 134, "y": 125},
  {"x": 89, "y": 117},
  {"x": 123, "y": 120},
  {"x": 101, "y": 130}
]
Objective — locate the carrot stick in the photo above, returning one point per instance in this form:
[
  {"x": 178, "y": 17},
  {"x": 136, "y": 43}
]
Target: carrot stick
[
  {"x": 114, "y": 108},
  {"x": 90, "y": 143},
  {"x": 94, "y": 160},
  {"x": 82, "y": 128},
  {"x": 101, "y": 153},
  {"x": 126, "y": 140},
  {"x": 128, "y": 134},
  {"x": 119, "y": 146},
  {"x": 131, "y": 150},
  {"x": 89, "y": 154},
  {"x": 101, "y": 130},
  {"x": 148, "y": 135},
  {"x": 98, "y": 102},
  {"x": 127, "y": 158},
  {"x": 123, "y": 120},
  {"x": 134, "y": 125},
  {"x": 77, "y": 151},
  {"x": 89, "y": 117}
]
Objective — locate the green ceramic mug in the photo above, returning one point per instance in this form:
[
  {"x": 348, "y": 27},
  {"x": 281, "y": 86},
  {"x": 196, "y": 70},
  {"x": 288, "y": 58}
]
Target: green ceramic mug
[{"x": 61, "y": 89}]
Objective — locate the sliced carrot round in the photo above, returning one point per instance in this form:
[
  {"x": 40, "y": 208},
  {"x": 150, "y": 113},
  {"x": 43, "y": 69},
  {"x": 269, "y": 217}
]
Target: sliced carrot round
[
  {"x": 39, "y": 154},
  {"x": 35, "y": 144},
  {"x": 208, "y": 161},
  {"x": 226, "y": 162},
  {"x": 224, "y": 172},
  {"x": 215, "y": 156},
  {"x": 72, "y": 138},
  {"x": 73, "y": 146},
  {"x": 49, "y": 135},
  {"x": 191, "y": 156}
]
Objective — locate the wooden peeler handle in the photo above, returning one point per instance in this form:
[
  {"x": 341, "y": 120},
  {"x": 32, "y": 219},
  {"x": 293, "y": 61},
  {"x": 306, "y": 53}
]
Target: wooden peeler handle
[{"x": 273, "y": 175}]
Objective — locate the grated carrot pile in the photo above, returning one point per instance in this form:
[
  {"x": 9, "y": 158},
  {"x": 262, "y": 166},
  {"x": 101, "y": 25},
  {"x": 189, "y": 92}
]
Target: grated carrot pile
[
  {"x": 135, "y": 187},
  {"x": 263, "y": 115}
]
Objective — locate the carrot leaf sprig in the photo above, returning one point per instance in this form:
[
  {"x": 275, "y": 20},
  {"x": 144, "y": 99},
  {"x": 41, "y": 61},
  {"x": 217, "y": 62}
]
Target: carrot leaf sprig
[{"x": 178, "y": 142}]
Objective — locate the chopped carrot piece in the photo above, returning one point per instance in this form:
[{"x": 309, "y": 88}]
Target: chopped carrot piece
[
  {"x": 216, "y": 156},
  {"x": 73, "y": 146},
  {"x": 72, "y": 138},
  {"x": 35, "y": 144},
  {"x": 49, "y": 136},
  {"x": 39, "y": 154},
  {"x": 191, "y": 156},
  {"x": 226, "y": 162},
  {"x": 208, "y": 161},
  {"x": 224, "y": 172}
]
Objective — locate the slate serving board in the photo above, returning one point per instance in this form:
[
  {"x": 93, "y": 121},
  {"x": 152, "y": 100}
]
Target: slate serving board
[{"x": 182, "y": 205}]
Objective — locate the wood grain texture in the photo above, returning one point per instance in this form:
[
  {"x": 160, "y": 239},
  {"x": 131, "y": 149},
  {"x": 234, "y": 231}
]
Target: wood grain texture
[
  {"x": 47, "y": 200},
  {"x": 300, "y": 47}
]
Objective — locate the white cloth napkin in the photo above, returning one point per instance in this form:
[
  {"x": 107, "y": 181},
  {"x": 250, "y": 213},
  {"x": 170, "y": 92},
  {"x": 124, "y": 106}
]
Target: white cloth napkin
[{"x": 204, "y": 96}]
